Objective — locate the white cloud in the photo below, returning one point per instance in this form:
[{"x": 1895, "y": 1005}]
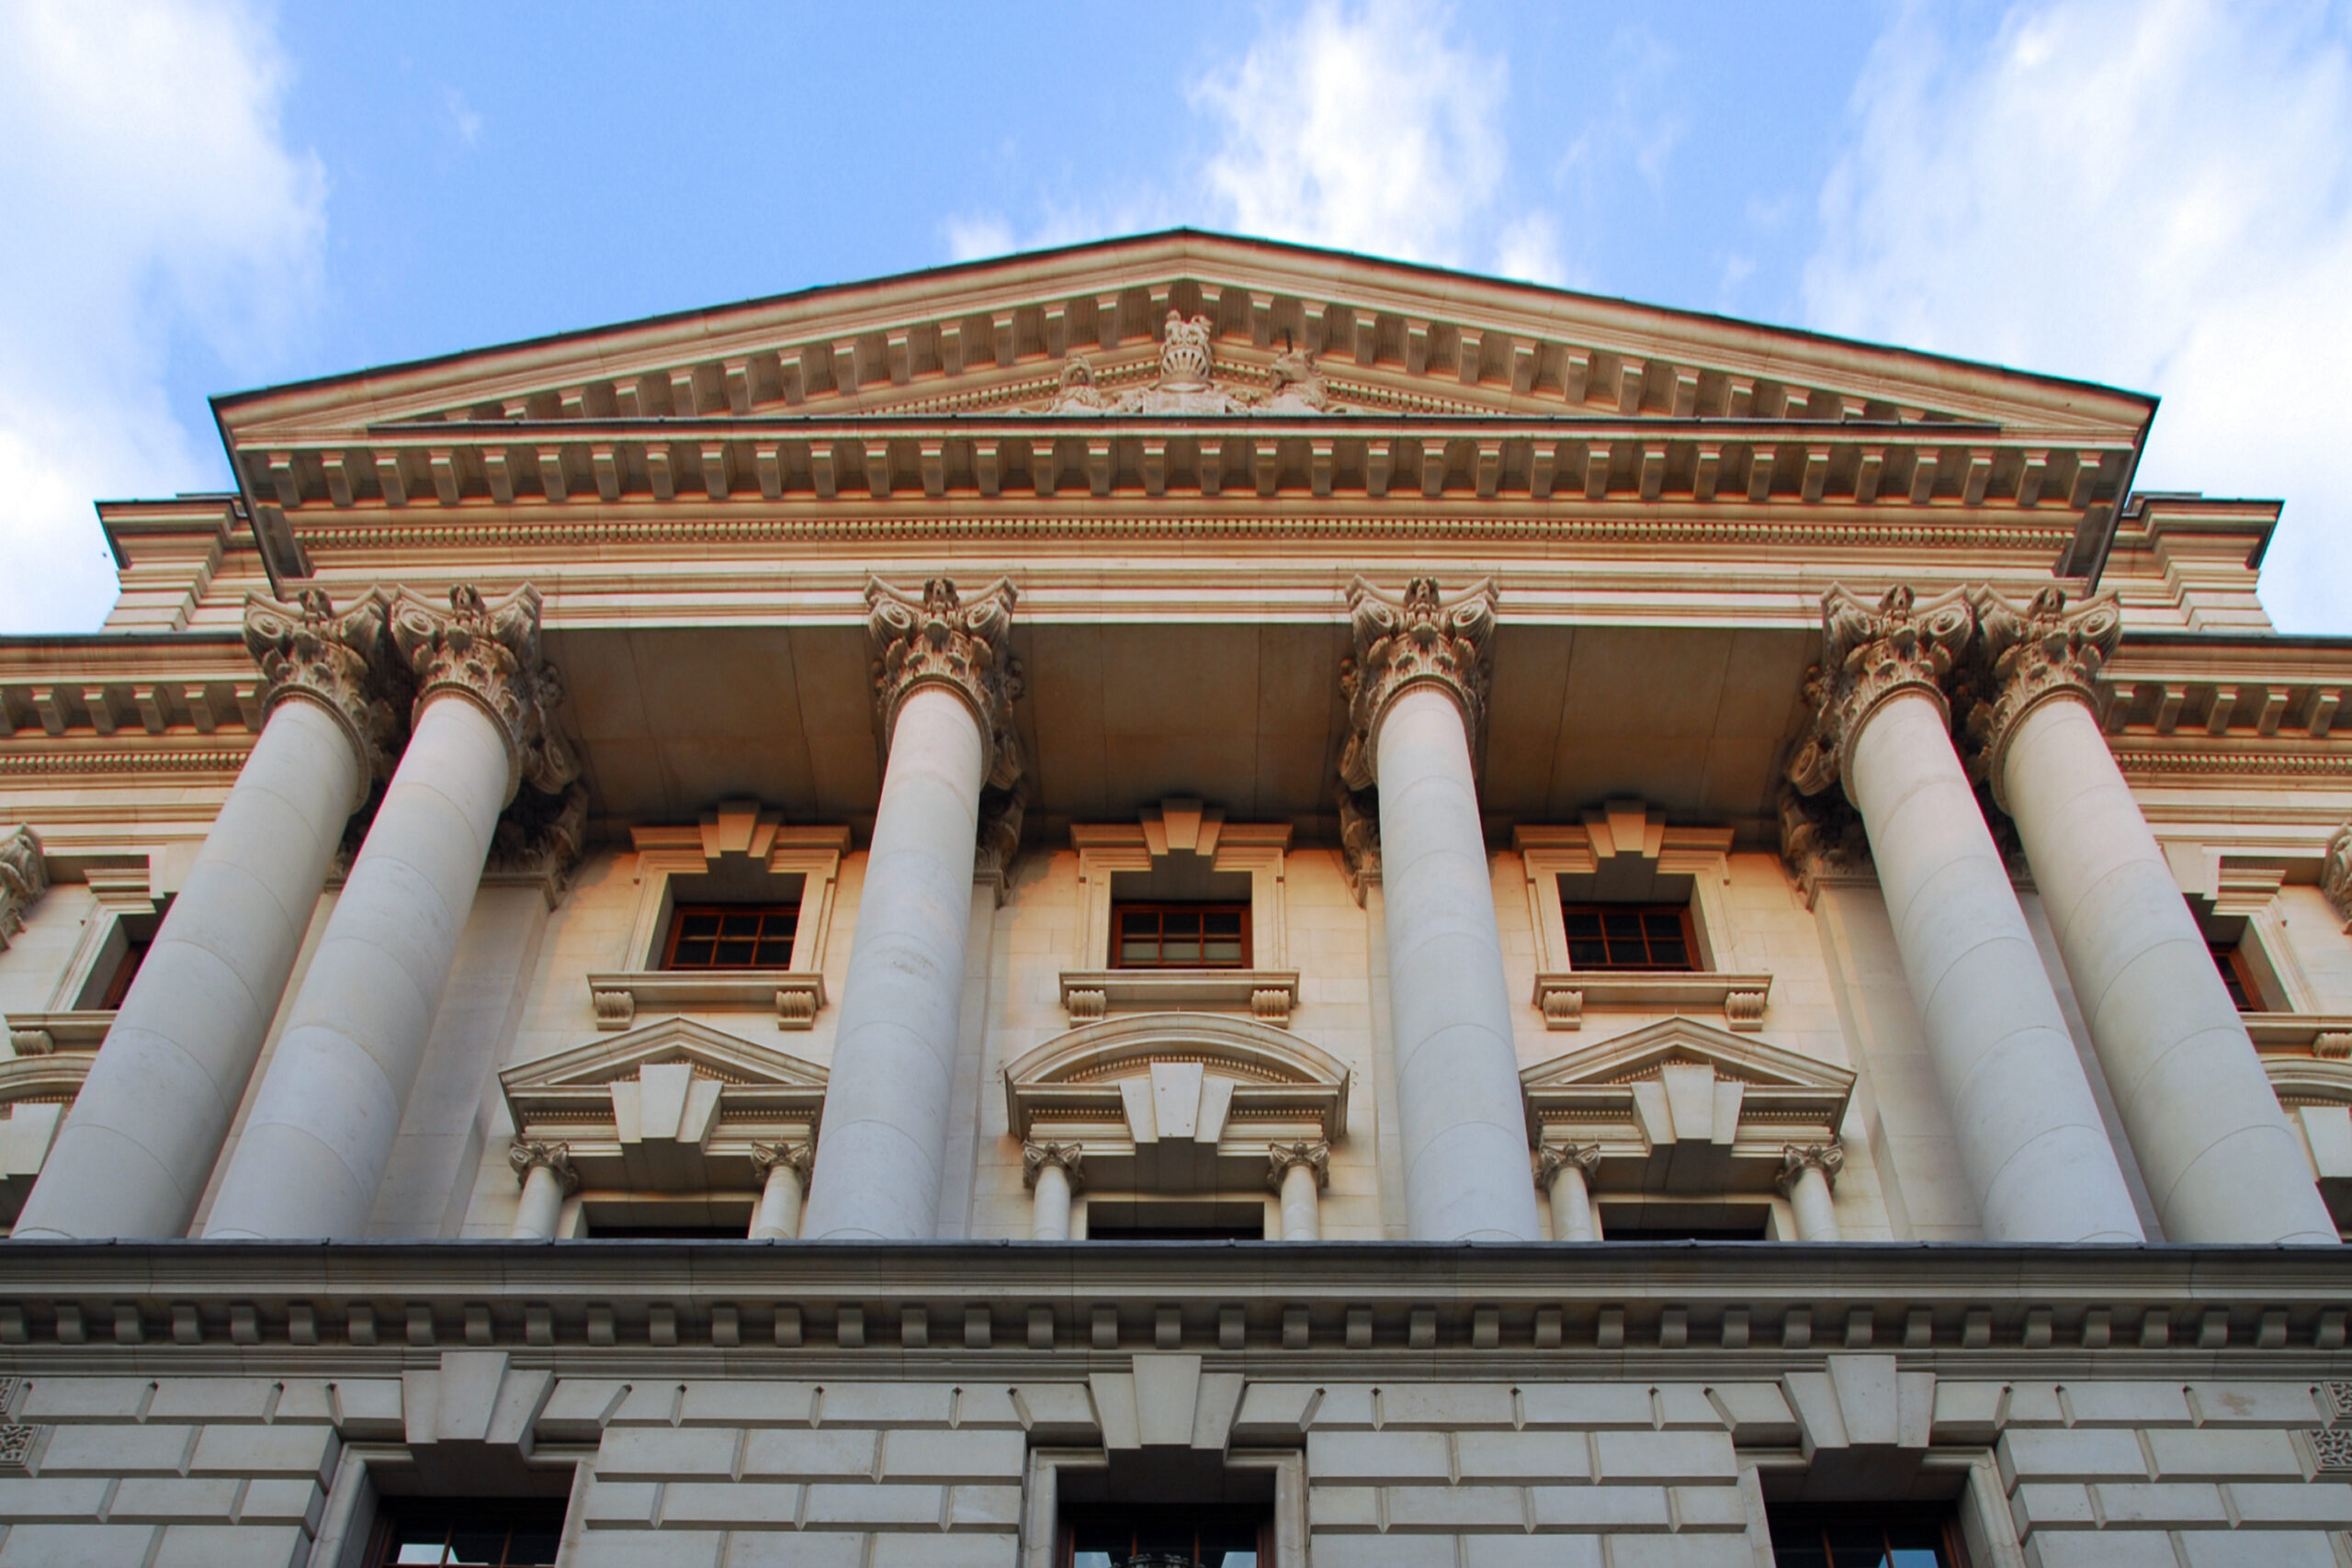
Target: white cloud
[
  {"x": 464, "y": 118},
  {"x": 1365, "y": 128},
  {"x": 149, "y": 195},
  {"x": 2155, "y": 195}
]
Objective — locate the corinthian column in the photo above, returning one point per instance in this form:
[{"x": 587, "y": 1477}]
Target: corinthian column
[
  {"x": 1417, "y": 691},
  {"x": 1807, "y": 1176},
  {"x": 1297, "y": 1173},
  {"x": 1053, "y": 1172},
  {"x": 544, "y": 1170},
  {"x": 140, "y": 1144},
  {"x": 2220, "y": 1161},
  {"x": 783, "y": 1169},
  {"x": 1564, "y": 1173},
  {"x": 2030, "y": 1138},
  {"x": 314, "y": 1147},
  {"x": 945, "y": 684}
]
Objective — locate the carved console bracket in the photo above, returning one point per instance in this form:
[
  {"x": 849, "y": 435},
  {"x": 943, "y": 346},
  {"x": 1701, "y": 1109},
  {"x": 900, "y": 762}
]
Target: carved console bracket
[
  {"x": 619, "y": 996},
  {"x": 1271, "y": 995},
  {"x": 1563, "y": 997}
]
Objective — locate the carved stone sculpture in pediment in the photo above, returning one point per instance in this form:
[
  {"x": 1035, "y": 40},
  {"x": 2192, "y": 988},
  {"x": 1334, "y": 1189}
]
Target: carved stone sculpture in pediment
[
  {"x": 23, "y": 879},
  {"x": 341, "y": 661},
  {"x": 1188, "y": 383},
  {"x": 1868, "y": 654},
  {"x": 488, "y": 653},
  {"x": 940, "y": 637}
]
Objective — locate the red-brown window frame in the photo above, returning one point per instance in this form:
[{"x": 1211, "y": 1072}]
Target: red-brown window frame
[
  {"x": 679, "y": 914},
  {"x": 2231, "y": 960},
  {"x": 1681, "y": 912},
  {"x": 1121, "y": 910},
  {"x": 126, "y": 970}
]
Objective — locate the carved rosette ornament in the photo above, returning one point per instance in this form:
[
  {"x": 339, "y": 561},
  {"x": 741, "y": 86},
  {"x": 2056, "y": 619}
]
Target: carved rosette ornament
[
  {"x": 1071, "y": 1157},
  {"x": 1552, "y": 1159},
  {"x": 1870, "y": 656},
  {"x": 489, "y": 654},
  {"x": 2035, "y": 652},
  {"x": 800, "y": 1157},
  {"x": 529, "y": 1154},
  {"x": 2335, "y": 875},
  {"x": 23, "y": 879},
  {"x": 340, "y": 661},
  {"x": 1404, "y": 642},
  {"x": 940, "y": 638},
  {"x": 1796, "y": 1159},
  {"x": 1279, "y": 1158}
]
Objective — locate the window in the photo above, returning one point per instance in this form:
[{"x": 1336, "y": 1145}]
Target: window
[
  {"x": 1916, "y": 1536},
  {"x": 1629, "y": 936},
  {"x": 134, "y": 953},
  {"x": 1166, "y": 1536},
  {"x": 1127, "y": 1219},
  {"x": 732, "y": 936},
  {"x": 1657, "y": 1221},
  {"x": 1181, "y": 936},
  {"x": 2237, "y": 974},
  {"x": 497, "y": 1533},
  {"x": 669, "y": 1233}
]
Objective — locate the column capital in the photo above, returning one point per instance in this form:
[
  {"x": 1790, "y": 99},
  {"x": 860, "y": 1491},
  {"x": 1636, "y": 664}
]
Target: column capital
[
  {"x": 1315, "y": 1157},
  {"x": 338, "y": 661},
  {"x": 23, "y": 879},
  {"x": 487, "y": 652},
  {"x": 1552, "y": 1159},
  {"x": 2335, "y": 873},
  {"x": 1798, "y": 1158},
  {"x": 1036, "y": 1157},
  {"x": 800, "y": 1156},
  {"x": 2035, "y": 652},
  {"x": 938, "y": 637},
  {"x": 1403, "y": 641},
  {"x": 1870, "y": 655},
  {"x": 527, "y": 1154}
]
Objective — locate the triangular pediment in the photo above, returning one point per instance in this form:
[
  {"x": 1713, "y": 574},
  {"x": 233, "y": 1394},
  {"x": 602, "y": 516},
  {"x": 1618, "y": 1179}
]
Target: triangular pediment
[
  {"x": 712, "y": 1054},
  {"x": 1647, "y": 1052}
]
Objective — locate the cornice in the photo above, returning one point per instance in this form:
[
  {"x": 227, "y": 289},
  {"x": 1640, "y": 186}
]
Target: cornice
[{"x": 68, "y": 759}]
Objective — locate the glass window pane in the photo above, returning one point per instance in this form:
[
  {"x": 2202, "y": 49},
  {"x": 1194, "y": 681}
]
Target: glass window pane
[
  {"x": 1913, "y": 1557},
  {"x": 693, "y": 954},
  {"x": 1624, "y": 926},
  {"x": 733, "y": 954},
  {"x": 420, "y": 1551},
  {"x": 698, "y": 925},
  {"x": 1863, "y": 1544},
  {"x": 775, "y": 954},
  {"x": 1140, "y": 950},
  {"x": 1799, "y": 1549},
  {"x": 1591, "y": 954},
  {"x": 1222, "y": 950},
  {"x": 1181, "y": 922},
  {"x": 532, "y": 1548},
  {"x": 1669, "y": 954},
  {"x": 477, "y": 1547},
  {"x": 1184, "y": 949}
]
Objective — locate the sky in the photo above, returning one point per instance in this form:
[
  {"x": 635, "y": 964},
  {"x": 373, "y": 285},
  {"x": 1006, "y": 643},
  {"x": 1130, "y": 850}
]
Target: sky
[{"x": 202, "y": 196}]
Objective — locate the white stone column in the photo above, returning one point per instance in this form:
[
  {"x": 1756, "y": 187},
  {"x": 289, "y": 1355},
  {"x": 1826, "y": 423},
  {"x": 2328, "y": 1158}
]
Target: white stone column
[
  {"x": 1416, "y": 693},
  {"x": 1806, "y": 1175},
  {"x": 316, "y": 1142},
  {"x": 784, "y": 1185},
  {"x": 2220, "y": 1161},
  {"x": 544, "y": 1170},
  {"x": 2028, "y": 1129},
  {"x": 945, "y": 684},
  {"x": 140, "y": 1144},
  {"x": 1054, "y": 1171},
  {"x": 1297, "y": 1173},
  {"x": 1563, "y": 1171}
]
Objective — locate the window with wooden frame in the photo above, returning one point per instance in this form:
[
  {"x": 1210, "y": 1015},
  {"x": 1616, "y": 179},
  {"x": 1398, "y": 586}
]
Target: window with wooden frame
[
  {"x": 1654, "y": 937},
  {"x": 490, "y": 1532},
  {"x": 731, "y": 936},
  {"x": 134, "y": 953},
  {"x": 1180, "y": 936},
  {"x": 1166, "y": 1536},
  {"x": 2237, "y": 973},
  {"x": 1924, "y": 1535}
]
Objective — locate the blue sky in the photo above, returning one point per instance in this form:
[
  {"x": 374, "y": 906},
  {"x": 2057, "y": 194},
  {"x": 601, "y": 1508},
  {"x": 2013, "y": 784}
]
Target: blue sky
[{"x": 207, "y": 194}]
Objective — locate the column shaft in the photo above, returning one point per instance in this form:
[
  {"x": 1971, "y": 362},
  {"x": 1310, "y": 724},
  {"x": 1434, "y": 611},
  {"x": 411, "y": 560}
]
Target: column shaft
[
  {"x": 140, "y": 1144},
  {"x": 2220, "y": 1161},
  {"x": 315, "y": 1146},
  {"x": 2029, "y": 1133},
  {"x": 1049, "y": 1205},
  {"x": 886, "y": 1106},
  {"x": 1815, "y": 1205},
  {"x": 1572, "y": 1215},
  {"x": 779, "y": 1216},
  {"x": 1457, "y": 1069},
  {"x": 541, "y": 1207},
  {"x": 1301, "y": 1203}
]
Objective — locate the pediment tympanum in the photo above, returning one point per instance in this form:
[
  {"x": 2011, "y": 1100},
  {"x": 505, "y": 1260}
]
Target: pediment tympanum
[
  {"x": 674, "y": 1106},
  {"x": 1682, "y": 1107},
  {"x": 1176, "y": 1101}
]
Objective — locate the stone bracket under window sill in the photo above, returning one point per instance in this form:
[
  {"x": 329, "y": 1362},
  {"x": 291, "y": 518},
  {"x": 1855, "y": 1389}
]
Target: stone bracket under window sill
[
  {"x": 1270, "y": 995},
  {"x": 41, "y": 1033},
  {"x": 2327, "y": 1034},
  {"x": 796, "y": 997},
  {"x": 1564, "y": 997}
]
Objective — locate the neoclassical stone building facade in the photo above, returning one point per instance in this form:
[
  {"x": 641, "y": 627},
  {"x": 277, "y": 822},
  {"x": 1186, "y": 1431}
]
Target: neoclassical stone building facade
[{"x": 1184, "y": 899}]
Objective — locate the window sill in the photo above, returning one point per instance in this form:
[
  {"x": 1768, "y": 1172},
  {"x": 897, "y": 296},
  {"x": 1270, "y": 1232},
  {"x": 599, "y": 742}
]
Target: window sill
[
  {"x": 1564, "y": 997},
  {"x": 2321, "y": 1033},
  {"x": 796, "y": 997},
  {"x": 1270, "y": 995},
  {"x": 41, "y": 1033}
]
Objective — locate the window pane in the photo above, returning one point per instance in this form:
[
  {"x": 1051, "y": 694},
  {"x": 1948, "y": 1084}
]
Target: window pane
[
  {"x": 1623, "y": 928},
  {"x": 698, "y": 925},
  {"x": 1668, "y": 954},
  {"x": 420, "y": 1551},
  {"x": 774, "y": 953},
  {"x": 1913, "y": 1557},
  {"x": 1583, "y": 923},
  {"x": 1180, "y": 949},
  {"x": 1798, "y": 1549},
  {"x": 1140, "y": 950},
  {"x": 478, "y": 1548},
  {"x": 1593, "y": 954},
  {"x": 532, "y": 1548},
  {"x": 693, "y": 954},
  {"x": 734, "y": 953},
  {"x": 1221, "y": 950}
]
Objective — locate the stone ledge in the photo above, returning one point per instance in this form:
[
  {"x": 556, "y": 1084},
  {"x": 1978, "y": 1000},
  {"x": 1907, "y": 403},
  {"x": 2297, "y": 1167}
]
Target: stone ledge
[
  {"x": 40, "y": 1033},
  {"x": 618, "y": 995},
  {"x": 1563, "y": 997},
  {"x": 1270, "y": 995}
]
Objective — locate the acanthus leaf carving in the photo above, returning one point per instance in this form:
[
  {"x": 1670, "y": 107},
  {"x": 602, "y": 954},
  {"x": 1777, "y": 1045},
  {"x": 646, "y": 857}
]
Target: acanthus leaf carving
[
  {"x": 542, "y": 835},
  {"x": 342, "y": 661},
  {"x": 1315, "y": 1155},
  {"x": 2335, "y": 873},
  {"x": 1405, "y": 640},
  {"x": 1552, "y": 1159},
  {"x": 488, "y": 653},
  {"x": 1870, "y": 655},
  {"x": 938, "y": 637},
  {"x": 1798, "y": 1158},
  {"x": 24, "y": 877},
  {"x": 798, "y": 1155},
  {"x": 1037, "y": 1157},
  {"x": 2035, "y": 652},
  {"x": 528, "y": 1154}
]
